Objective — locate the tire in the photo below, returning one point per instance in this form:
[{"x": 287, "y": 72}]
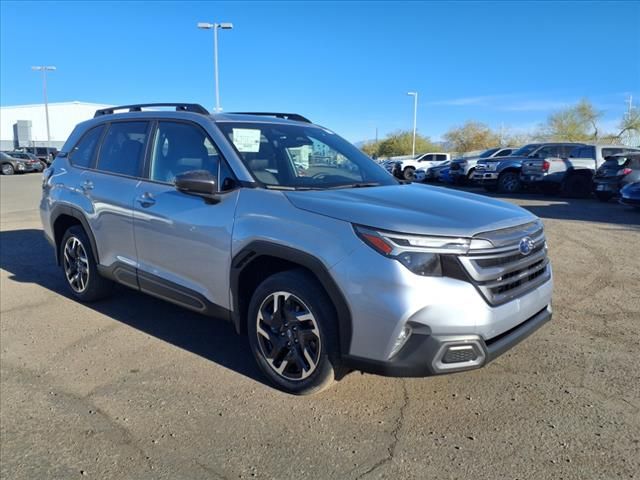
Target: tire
[
  {"x": 7, "y": 169},
  {"x": 469, "y": 178},
  {"x": 76, "y": 257},
  {"x": 604, "y": 196},
  {"x": 577, "y": 186},
  {"x": 274, "y": 341},
  {"x": 509, "y": 182},
  {"x": 409, "y": 173}
]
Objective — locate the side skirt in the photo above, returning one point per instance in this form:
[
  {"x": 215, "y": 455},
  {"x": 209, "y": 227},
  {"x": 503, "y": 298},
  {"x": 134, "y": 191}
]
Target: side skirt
[{"x": 163, "y": 289}]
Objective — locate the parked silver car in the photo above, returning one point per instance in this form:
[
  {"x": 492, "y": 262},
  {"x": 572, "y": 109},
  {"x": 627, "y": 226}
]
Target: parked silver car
[{"x": 328, "y": 264}]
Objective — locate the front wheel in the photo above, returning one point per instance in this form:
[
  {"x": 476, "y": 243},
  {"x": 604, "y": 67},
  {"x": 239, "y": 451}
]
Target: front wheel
[
  {"x": 7, "y": 169},
  {"x": 508, "y": 182},
  {"x": 409, "y": 173},
  {"x": 292, "y": 333}
]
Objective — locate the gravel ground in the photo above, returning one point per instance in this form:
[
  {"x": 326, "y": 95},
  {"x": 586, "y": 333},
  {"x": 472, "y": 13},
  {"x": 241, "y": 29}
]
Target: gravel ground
[{"x": 133, "y": 387}]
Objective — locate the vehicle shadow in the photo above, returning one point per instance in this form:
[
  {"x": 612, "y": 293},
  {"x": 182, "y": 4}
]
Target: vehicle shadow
[
  {"x": 29, "y": 258},
  {"x": 562, "y": 208}
]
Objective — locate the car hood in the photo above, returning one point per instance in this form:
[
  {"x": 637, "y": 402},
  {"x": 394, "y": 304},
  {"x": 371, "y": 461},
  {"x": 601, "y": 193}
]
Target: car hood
[{"x": 413, "y": 208}]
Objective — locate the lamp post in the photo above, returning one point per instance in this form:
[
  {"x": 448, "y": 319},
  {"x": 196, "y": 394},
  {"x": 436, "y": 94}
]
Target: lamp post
[
  {"x": 44, "y": 69},
  {"x": 415, "y": 118},
  {"x": 215, "y": 27}
]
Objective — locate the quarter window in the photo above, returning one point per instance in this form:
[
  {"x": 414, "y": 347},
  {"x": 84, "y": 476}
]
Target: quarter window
[
  {"x": 82, "y": 154},
  {"x": 123, "y": 148},
  {"x": 179, "y": 148}
]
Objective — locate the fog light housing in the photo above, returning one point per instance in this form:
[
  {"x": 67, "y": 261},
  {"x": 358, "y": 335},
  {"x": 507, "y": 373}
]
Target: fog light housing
[{"x": 402, "y": 338}]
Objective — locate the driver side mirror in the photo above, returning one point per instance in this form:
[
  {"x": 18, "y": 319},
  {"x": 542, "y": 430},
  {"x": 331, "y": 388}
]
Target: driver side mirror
[{"x": 200, "y": 183}]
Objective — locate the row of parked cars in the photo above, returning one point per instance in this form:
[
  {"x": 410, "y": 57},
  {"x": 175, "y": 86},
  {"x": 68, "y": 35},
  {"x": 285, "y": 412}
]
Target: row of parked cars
[
  {"x": 573, "y": 169},
  {"x": 25, "y": 160}
]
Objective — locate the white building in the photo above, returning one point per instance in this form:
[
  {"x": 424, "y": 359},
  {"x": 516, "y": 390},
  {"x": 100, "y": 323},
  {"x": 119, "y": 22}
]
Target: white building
[{"x": 63, "y": 117}]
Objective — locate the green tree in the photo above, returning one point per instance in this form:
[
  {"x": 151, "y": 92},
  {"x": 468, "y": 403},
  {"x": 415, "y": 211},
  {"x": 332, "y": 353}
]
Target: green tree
[
  {"x": 578, "y": 123},
  {"x": 371, "y": 148},
  {"x": 400, "y": 143},
  {"x": 472, "y": 136}
]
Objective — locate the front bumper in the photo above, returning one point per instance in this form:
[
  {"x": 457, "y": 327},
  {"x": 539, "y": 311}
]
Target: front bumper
[
  {"x": 427, "y": 355},
  {"x": 385, "y": 298},
  {"x": 486, "y": 178}
]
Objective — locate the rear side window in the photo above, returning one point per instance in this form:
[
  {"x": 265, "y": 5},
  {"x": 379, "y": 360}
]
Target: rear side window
[
  {"x": 441, "y": 158},
  {"x": 123, "y": 148},
  {"x": 82, "y": 154},
  {"x": 504, "y": 153},
  {"x": 583, "y": 152},
  {"x": 607, "y": 152}
]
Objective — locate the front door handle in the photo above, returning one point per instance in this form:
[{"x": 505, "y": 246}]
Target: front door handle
[{"x": 146, "y": 200}]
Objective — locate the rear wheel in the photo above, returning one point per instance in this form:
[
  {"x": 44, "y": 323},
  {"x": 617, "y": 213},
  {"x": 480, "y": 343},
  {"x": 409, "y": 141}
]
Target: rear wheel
[
  {"x": 292, "y": 333},
  {"x": 604, "y": 196},
  {"x": 79, "y": 267},
  {"x": 409, "y": 173},
  {"x": 577, "y": 186},
  {"x": 508, "y": 182},
  {"x": 7, "y": 169}
]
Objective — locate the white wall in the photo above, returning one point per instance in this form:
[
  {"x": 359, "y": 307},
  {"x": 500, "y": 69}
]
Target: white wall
[{"x": 63, "y": 117}]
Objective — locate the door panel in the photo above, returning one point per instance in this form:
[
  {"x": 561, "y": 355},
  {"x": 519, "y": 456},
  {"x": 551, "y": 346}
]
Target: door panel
[
  {"x": 181, "y": 239},
  {"x": 184, "y": 240}
]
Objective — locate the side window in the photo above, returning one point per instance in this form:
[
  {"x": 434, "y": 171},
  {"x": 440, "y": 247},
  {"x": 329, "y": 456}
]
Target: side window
[
  {"x": 545, "y": 152},
  {"x": 428, "y": 158},
  {"x": 504, "y": 153},
  {"x": 441, "y": 158},
  {"x": 588, "y": 152},
  {"x": 123, "y": 148},
  {"x": 179, "y": 148},
  {"x": 82, "y": 154},
  {"x": 607, "y": 152},
  {"x": 565, "y": 151}
]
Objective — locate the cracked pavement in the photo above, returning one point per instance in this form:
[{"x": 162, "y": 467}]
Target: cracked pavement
[{"x": 133, "y": 387}]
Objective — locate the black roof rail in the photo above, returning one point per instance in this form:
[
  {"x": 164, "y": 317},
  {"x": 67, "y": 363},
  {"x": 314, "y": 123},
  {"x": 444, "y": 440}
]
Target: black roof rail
[
  {"x": 286, "y": 116},
  {"x": 180, "y": 107}
]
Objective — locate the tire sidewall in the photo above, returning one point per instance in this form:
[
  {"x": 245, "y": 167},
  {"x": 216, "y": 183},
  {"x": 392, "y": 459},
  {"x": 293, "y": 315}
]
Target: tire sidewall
[
  {"x": 10, "y": 169},
  {"x": 311, "y": 294},
  {"x": 409, "y": 173},
  {"x": 96, "y": 284},
  {"x": 502, "y": 180}
]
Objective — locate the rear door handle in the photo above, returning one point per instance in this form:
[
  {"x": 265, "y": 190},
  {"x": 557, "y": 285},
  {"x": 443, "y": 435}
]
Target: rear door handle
[
  {"x": 87, "y": 185},
  {"x": 146, "y": 200}
]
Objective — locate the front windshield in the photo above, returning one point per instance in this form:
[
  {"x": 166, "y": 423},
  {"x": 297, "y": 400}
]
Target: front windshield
[
  {"x": 488, "y": 153},
  {"x": 302, "y": 157},
  {"x": 525, "y": 151}
]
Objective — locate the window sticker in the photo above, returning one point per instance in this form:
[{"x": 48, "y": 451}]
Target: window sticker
[{"x": 246, "y": 139}]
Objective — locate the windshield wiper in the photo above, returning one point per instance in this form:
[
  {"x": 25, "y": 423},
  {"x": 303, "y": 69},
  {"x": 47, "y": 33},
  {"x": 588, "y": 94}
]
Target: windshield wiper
[{"x": 356, "y": 185}]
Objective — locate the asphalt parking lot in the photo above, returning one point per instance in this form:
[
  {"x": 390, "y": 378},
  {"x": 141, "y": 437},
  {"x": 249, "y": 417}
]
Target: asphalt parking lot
[{"x": 133, "y": 387}]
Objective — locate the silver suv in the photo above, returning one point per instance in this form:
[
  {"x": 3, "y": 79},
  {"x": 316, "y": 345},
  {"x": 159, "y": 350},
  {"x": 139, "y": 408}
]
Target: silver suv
[{"x": 283, "y": 228}]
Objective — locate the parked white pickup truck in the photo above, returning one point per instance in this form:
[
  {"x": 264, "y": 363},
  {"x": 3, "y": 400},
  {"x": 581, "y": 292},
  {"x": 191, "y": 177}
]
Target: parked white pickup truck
[
  {"x": 406, "y": 168},
  {"x": 572, "y": 175}
]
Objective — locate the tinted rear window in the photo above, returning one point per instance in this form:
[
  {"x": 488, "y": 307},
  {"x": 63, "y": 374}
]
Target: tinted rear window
[
  {"x": 82, "y": 154},
  {"x": 123, "y": 147}
]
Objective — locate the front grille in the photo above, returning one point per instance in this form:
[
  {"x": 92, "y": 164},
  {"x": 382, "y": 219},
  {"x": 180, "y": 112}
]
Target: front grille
[{"x": 503, "y": 273}]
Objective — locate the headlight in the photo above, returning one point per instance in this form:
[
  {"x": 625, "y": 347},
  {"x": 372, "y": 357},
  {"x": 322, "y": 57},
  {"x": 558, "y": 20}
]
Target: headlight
[{"x": 420, "y": 254}]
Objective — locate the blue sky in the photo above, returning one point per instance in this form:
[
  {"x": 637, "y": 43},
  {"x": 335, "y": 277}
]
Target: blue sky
[{"x": 345, "y": 65}]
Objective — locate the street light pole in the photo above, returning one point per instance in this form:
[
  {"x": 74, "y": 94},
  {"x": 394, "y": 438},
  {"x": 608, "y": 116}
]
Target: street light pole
[
  {"x": 215, "y": 27},
  {"x": 415, "y": 119},
  {"x": 44, "y": 69}
]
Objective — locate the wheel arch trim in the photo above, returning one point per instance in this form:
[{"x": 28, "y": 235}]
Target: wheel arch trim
[
  {"x": 261, "y": 248},
  {"x": 60, "y": 210}
]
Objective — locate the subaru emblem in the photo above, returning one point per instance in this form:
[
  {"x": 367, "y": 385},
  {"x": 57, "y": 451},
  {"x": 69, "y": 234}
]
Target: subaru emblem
[{"x": 526, "y": 245}]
